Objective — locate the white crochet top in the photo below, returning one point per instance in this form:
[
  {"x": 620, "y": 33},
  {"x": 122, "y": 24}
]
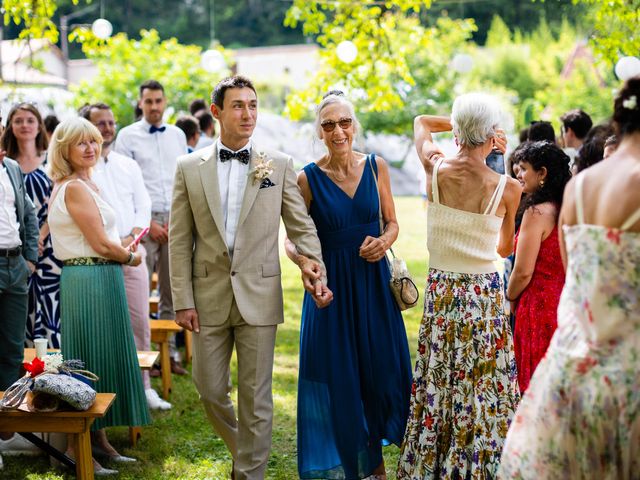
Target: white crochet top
[{"x": 461, "y": 241}]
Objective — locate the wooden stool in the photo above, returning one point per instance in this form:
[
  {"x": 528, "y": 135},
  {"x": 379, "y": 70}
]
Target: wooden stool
[
  {"x": 73, "y": 422},
  {"x": 161, "y": 330}
]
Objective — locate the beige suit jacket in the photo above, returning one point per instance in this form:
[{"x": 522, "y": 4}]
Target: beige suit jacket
[{"x": 203, "y": 275}]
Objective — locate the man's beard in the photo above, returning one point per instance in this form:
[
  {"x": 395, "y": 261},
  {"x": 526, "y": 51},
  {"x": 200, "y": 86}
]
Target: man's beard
[{"x": 106, "y": 144}]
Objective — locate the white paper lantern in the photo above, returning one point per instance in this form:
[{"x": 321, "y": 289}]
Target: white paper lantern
[
  {"x": 102, "y": 28},
  {"x": 462, "y": 63},
  {"x": 627, "y": 67},
  {"x": 212, "y": 61},
  {"x": 347, "y": 51}
]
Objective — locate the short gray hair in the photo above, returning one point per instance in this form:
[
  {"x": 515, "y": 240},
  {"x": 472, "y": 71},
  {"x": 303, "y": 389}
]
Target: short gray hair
[
  {"x": 474, "y": 118},
  {"x": 330, "y": 98}
]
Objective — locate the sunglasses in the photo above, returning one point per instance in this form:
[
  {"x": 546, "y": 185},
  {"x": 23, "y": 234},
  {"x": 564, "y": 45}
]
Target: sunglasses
[{"x": 330, "y": 125}]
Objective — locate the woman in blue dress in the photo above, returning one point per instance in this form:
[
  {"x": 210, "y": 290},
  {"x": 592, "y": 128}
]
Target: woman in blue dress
[
  {"x": 25, "y": 141},
  {"x": 355, "y": 370}
]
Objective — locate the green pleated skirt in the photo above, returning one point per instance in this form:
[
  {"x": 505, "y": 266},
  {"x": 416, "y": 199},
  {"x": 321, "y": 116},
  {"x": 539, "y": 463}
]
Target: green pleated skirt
[{"x": 96, "y": 328}]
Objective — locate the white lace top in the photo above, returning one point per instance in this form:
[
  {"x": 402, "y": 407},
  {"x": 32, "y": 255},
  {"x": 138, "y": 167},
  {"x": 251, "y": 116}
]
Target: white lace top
[
  {"x": 66, "y": 237},
  {"x": 461, "y": 241}
]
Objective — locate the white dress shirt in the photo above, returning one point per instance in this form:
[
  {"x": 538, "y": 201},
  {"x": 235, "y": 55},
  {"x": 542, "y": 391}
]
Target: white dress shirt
[
  {"x": 121, "y": 185},
  {"x": 232, "y": 180},
  {"x": 204, "y": 142},
  {"x": 9, "y": 226},
  {"x": 156, "y": 153}
]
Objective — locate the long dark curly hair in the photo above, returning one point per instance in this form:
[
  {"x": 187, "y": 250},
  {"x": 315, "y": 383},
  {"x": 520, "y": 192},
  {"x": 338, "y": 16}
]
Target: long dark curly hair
[{"x": 550, "y": 156}]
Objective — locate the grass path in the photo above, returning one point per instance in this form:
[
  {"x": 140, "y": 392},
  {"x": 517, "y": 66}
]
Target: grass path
[{"x": 180, "y": 443}]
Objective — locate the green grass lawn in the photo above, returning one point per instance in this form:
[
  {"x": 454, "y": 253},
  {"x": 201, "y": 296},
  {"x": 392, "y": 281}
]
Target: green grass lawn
[{"x": 181, "y": 445}]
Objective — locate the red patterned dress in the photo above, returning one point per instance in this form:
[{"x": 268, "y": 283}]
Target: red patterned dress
[{"x": 536, "y": 314}]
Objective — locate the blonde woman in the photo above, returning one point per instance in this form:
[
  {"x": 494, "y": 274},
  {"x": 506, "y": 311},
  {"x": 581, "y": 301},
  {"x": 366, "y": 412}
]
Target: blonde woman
[{"x": 96, "y": 326}]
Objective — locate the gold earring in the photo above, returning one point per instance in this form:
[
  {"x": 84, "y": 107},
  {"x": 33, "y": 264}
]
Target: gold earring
[{"x": 541, "y": 183}]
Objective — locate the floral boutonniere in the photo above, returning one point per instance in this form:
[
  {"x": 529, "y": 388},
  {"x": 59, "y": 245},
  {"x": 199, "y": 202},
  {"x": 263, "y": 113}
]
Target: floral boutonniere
[{"x": 263, "y": 168}]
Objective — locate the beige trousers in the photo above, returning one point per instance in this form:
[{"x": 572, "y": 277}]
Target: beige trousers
[{"x": 248, "y": 437}]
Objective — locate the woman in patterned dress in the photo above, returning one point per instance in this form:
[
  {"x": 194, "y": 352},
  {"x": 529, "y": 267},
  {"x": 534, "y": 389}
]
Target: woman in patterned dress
[
  {"x": 580, "y": 417},
  {"x": 465, "y": 389},
  {"x": 25, "y": 141},
  {"x": 538, "y": 275}
]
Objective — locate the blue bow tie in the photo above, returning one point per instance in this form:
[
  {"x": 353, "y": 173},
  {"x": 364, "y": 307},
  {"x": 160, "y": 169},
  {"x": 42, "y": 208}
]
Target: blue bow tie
[
  {"x": 155, "y": 129},
  {"x": 242, "y": 156}
]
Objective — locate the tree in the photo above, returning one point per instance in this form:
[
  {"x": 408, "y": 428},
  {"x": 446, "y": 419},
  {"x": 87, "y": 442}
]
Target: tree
[
  {"x": 391, "y": 45},
  {"x": 615, "y": 27},
  {"x": 123, "y": 64},
  {"x": 35, "y": 15}
]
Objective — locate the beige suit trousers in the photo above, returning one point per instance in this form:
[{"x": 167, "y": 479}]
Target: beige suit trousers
[{"x": 248, "y": 437}]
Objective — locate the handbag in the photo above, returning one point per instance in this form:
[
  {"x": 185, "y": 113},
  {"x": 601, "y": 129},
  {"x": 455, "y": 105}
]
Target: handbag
[
  {"x": 402, "y": 286},
  {"x": 76, "y": 393}
]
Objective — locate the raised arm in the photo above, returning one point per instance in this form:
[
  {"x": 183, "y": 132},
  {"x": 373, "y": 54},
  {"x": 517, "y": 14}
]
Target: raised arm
[{"x": 423, "y": 127}]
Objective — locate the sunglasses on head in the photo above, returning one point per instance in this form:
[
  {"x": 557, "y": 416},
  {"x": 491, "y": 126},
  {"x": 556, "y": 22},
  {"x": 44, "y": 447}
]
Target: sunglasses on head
[{"x": 330, "y": 125}]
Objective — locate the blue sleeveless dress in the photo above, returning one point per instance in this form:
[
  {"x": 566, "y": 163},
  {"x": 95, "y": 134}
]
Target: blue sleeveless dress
[{"x": 355, "y": 370}]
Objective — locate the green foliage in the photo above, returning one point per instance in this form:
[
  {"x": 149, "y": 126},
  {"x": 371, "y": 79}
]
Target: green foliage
[
  {"x": 35, "y": 15},
  {"x": 398, "y": 58},
  {"x": 123, "y": 64},
  {"x": 615, "y": 27},
  {"x": 499, "y": 33}
]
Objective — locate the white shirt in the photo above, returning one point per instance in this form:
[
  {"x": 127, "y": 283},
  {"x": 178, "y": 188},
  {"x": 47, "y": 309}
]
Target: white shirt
[
  {"x": 203, "y": 142},
  {"x": 9, "y": 226},
  {"x": 156, "y": 153},
  {"x": 120, "y": 182},
  {"x": 232, "y": 180}
]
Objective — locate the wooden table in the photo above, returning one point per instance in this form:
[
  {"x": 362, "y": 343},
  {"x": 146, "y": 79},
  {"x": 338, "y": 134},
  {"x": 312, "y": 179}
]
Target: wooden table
[
  {"x": 72, "y": 422},
  {"x": 146, "y": 359}
]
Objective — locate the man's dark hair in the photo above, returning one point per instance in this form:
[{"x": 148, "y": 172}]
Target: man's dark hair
[
  {"x": 50, "y": 123},
  {"x": 197, "y": 105},
  {"x": 205, "y": 119},
  {"x": 590, "y": 153},
  {"x": 541, "y": 131},
  {"x": 189, "y": 125},
  {"x": 237, "y": 81},
  {"x": 578, "y": 121},
  {"x": 85, "y": 111},
  {"x": 151, "y": 85}
]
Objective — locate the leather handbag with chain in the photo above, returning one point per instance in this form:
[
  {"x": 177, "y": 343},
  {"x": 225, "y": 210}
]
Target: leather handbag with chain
[{"x": 402, "y": 286}]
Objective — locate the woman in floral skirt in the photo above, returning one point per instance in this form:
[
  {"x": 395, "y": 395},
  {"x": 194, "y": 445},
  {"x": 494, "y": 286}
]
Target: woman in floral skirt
[{"x": 465, "y": 389}]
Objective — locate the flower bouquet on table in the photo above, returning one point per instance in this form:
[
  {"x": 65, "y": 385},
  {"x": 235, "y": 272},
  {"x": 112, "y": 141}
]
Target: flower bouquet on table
[{"x": 51, "y": 384}]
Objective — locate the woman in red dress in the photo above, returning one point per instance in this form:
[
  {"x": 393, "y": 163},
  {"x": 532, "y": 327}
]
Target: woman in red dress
[{"x": 538, "y": 275}]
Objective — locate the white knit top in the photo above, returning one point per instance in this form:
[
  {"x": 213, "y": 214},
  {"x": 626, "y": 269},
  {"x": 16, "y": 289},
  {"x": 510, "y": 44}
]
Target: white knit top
[
  {"x": 66, "y": 237},
  {"x": 461, "y": 241}
]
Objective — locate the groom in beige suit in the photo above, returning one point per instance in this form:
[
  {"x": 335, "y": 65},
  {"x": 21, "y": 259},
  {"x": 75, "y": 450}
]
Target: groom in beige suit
[{"x": 225, "y": 269}]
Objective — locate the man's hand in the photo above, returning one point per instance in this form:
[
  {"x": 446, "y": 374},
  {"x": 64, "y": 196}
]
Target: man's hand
[
  {"x": 188, "y": 319},
  {"x": 158, "y": 233},
  {"x": 311, "y": 271},
  {"x": 373, "y": 249}
]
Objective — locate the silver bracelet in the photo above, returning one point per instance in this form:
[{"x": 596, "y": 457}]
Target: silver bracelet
[{"x": 131, "y": 259}]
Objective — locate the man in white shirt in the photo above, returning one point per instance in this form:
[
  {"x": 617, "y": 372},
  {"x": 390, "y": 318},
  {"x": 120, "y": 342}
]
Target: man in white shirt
[
  {"x": 155, "y": 146},
  {"x": 207, "y": 127},
  {"x": 120, "y": 182},
  {"x": 18, "y": 256}
]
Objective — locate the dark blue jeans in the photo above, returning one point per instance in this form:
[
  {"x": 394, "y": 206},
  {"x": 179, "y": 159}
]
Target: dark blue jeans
[{"x": 14, "y": 297}]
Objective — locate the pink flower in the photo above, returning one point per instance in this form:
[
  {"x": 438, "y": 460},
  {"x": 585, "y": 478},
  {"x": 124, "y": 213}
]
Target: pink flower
[{"x": 613, "y": 234}]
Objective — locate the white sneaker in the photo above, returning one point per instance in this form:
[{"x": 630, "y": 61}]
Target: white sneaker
[
  {"x": 154, "y": 401},
  {"x": 18, "y": 445}
]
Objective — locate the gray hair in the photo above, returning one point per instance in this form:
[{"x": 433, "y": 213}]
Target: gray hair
[
  {"x": 332, "y": 97},
  {"x": 474, "y": 118}
]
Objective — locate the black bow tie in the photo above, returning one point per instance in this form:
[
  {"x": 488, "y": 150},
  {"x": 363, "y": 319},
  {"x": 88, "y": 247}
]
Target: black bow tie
[
  {"x": 155, "y": 129},
  {"x": 242, "y": 156}
]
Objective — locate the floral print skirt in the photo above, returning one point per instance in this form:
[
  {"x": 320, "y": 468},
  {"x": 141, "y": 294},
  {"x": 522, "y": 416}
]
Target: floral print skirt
[{"x": 465, "y": 388}]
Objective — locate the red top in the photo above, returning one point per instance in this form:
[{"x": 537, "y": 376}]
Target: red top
[{"x": 536, "y": 313}]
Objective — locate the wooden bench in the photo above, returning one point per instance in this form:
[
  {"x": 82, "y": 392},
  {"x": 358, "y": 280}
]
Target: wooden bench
[
  {"x": 161, "y": 330},
  {"x": 72, "y": 422},
  {"x": 153, "y": 308},
  {"x": 146, "y": 358}
]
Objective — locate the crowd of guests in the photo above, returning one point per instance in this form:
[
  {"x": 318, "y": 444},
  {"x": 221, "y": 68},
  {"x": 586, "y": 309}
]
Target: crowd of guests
[{"x": 551, "y": 392}]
